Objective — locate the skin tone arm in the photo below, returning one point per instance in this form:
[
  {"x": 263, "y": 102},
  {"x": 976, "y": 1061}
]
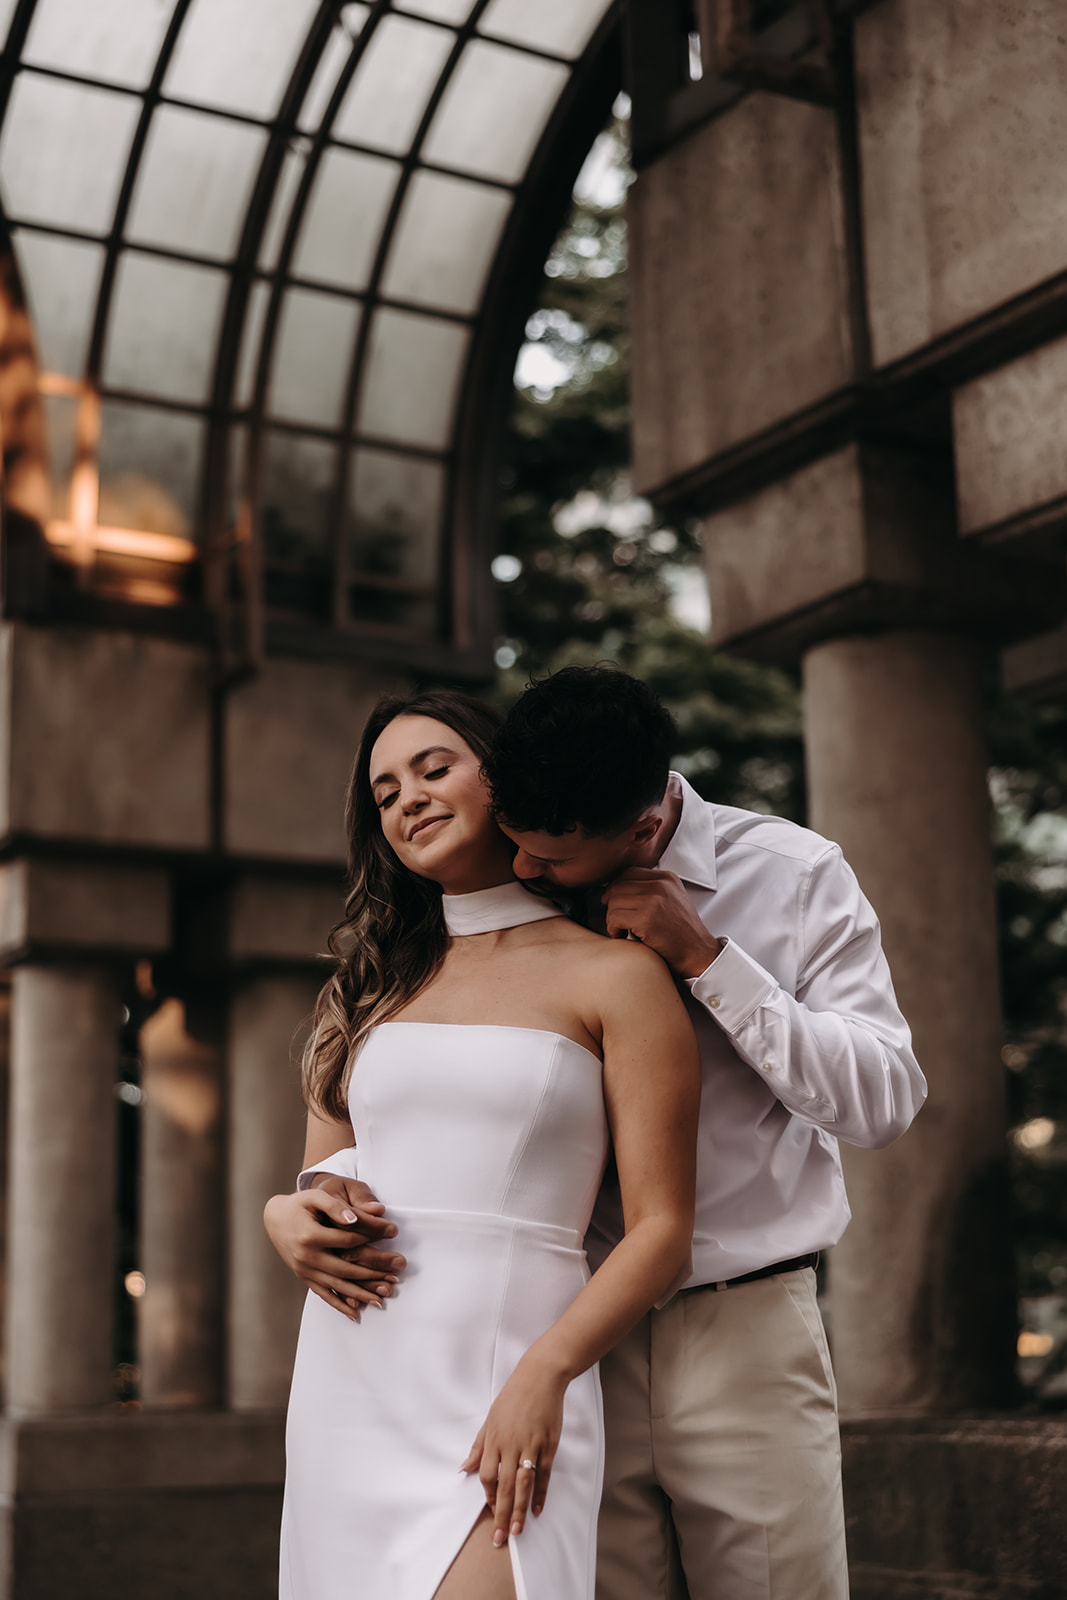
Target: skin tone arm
[
  {"x": 652, "y": 1093},
  {"x": 316, "y": 1230}
]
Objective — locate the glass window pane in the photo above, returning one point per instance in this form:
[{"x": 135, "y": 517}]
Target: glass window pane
[
  {"x": 280, "y": 209},
  {"x": 149, "y": 469},
  {"x": 115, "y": 40},
  {"x": 194, "y": 182},
  {"x": 63, "y": 152},
  {"x": 342, "y": 224},
  {"x": 248, "y": 360},
  {"x": 164, "y": 327},
  {"x": 7, "y": 11},
  {"x": 312, "y": 357},
  {"x": 337, "y": 51},
  {"x": 61, "y": 278},
  {"x": 414, "y": 368},
  {"x": 396, "y": 504},
  {"x": 562, "y": 27},
  {"x": 444, "y": 242},
  {"x": 441, "y": 10},
  {"x": 238, "y": 54},
  {"x": 493, "y": 111},
  {"x": 61, "y": 416},
  {"x": 392, "y": 84},
  {"x": 297, "y": 483}
]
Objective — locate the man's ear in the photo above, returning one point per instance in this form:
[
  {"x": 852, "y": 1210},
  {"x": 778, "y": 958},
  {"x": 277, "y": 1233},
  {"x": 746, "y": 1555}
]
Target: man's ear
[{"x": 646, "y": 828}]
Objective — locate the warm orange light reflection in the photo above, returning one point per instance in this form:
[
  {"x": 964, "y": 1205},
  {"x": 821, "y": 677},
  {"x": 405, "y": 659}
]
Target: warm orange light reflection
[
  {"x": 123, "y": 541},
  {"x": 1035, "y": 1344}
]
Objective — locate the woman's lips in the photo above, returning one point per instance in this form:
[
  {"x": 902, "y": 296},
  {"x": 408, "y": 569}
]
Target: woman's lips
[{"x": 420, "y": 827}]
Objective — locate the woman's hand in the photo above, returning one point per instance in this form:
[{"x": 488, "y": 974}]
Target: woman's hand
[
  {"x": 329, "y": 1244},
  {"x": 523, "y": 1425}
]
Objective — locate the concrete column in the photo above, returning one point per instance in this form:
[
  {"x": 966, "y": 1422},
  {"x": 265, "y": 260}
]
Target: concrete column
[
  {"x": 61, "y": 1196},
  {"x": 922, "y": 1288},
  {"x": 182, "y": 1224},
  {"x": 266, "y": 1145}
]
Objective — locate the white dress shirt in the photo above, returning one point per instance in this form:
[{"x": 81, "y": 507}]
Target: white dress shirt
[{"x": 801, "y": 1039}]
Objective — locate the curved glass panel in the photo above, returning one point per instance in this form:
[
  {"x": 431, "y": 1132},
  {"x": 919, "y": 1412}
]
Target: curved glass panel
[
  {"x": 333, "y": 58},
  {"x": 343, "y": 222},
  {"x": 445, "y": 239},
  {"x": 115, "y": 41},
  {"x": 60, "y": 277},
  {"x": 296, "y": 499},
  {"x": 562, "y": 27},
  {"x": 63, "y": 152},
  {"x": 455, "y": 11},
  {"x": 194, "y": 182},
  {"x": 237, "y": 55},
  {"x": 312, "y": 355},
  {"x": 281, "y": 208},
  {"x": 493, "y": 111},
  {"x": 150, "y": 463},
  {"x": 248, "y": 358},
  {"x": 397, "y": 503},
  {"x": 7, "y": 11},
  {"x": 392, "y": 85},
  {"x": 414, "y": 365},
  {"x": 164, "y": 327}
]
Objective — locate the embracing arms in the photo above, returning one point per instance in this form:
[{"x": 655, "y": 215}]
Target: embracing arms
[{"x": 314, "y": 1230}]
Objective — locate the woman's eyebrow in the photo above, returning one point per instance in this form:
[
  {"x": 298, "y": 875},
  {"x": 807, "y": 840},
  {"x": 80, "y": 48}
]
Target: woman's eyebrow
[{"x": 419, "y": 756}]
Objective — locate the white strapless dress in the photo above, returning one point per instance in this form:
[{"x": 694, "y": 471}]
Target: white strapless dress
[{"x": 488, "y": 1145}]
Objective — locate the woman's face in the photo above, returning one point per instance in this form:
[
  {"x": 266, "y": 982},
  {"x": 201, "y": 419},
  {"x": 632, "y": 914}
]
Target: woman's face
[{"x": 433, "y": 805}]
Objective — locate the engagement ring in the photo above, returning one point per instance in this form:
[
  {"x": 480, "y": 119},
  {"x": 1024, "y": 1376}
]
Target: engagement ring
[{"x": 531, "y": 1466}]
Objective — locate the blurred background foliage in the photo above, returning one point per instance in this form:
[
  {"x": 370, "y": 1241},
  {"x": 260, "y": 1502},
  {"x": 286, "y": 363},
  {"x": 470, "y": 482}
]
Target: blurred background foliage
[{"x": 588, "y": 572}]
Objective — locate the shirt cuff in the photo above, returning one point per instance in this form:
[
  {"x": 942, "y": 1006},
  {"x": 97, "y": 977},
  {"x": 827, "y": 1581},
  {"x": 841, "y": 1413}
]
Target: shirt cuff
[
  {"x": 733, "y": 987},
  {"x": 342, "y": 1164}
]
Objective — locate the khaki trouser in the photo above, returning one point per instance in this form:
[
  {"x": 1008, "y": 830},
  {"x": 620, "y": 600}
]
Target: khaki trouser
[{"x": 723, "y": 1467}]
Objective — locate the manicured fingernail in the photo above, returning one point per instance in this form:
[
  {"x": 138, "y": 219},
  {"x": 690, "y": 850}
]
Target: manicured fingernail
[
  {"x": 384, "y": 1288},
  {"x": 498, "y": 1538},
  {"x": 516, "y": 1527},
  {"x": 349, "y": 1216},
  {"x": 538, "y": 1510},
  {"x": 390, "y": 1231}
]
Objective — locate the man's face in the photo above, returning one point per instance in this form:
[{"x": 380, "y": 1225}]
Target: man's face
[{"x": 573, "y": 860}]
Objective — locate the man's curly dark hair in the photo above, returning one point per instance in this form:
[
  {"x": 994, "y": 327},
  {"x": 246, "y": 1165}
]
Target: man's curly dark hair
[{"x": 587, "y": 747}]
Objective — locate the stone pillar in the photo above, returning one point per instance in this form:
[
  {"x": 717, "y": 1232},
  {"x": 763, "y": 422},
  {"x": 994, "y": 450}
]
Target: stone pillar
[
  {"x": 182, "y": 1227},
  {"x": 61, "y": 1197},
  {"x": 266, "y": 1144},
  {"x": 922, "y": 1284}
]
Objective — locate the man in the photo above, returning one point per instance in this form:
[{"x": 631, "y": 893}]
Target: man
[{"x": 723, "y": 1459}]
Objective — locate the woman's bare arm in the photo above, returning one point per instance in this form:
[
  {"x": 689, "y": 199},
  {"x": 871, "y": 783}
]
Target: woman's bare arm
[{"x": 652, "y": 1092}]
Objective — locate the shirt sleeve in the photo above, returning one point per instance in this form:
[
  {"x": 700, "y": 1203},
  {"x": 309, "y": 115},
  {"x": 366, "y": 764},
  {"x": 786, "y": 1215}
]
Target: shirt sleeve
[
  {"x": 342, "y": 1164},
  {"x": 838, "y": 1052}
]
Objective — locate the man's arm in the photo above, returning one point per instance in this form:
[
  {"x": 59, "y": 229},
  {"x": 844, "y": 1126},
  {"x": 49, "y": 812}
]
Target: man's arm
[{"x": 837, "y": 1054}]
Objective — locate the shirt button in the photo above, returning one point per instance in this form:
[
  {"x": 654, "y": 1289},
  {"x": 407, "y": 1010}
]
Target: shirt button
[
  {"x": 714, "y": 1002},
  {"x": 768, "y": 1066}
]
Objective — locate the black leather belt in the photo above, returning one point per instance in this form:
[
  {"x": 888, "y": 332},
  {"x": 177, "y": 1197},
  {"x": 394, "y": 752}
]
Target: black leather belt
[{"x": 795, "y": 1265}]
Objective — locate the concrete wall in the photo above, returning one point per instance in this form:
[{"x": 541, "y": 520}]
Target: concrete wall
[
  {"x": 962, "y": 126},
  {"x": 738, "y": 283}
]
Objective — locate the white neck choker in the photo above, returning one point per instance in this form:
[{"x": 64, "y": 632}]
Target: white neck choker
[{"x": 487, "y": 910}]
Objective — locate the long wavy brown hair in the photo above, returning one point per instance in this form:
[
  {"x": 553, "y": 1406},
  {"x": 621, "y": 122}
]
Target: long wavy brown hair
[{"x": 391, "y": 939}]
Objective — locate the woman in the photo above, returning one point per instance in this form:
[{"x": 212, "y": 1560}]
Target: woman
[{"x": 479, "y": 1046}]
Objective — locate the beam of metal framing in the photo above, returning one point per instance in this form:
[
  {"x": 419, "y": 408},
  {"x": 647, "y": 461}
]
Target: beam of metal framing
[
  {"x": 486, "y": 398},
  {"x": 114, "y": 241},
  {"x": 246, "y": 651},
  {"x": 254, "y": 443},
  {"x": 354, "y": 390}
]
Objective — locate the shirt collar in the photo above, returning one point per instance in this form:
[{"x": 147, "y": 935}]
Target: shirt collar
[{"x": 691, "y": 851}]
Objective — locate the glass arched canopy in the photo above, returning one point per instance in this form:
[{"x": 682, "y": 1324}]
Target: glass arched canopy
[{"x": 277, "y": 254}]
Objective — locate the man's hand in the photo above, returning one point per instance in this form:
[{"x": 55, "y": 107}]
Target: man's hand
[
  {"x": 653, "y": 906},
  {"x": 328, "y": 1235}
]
